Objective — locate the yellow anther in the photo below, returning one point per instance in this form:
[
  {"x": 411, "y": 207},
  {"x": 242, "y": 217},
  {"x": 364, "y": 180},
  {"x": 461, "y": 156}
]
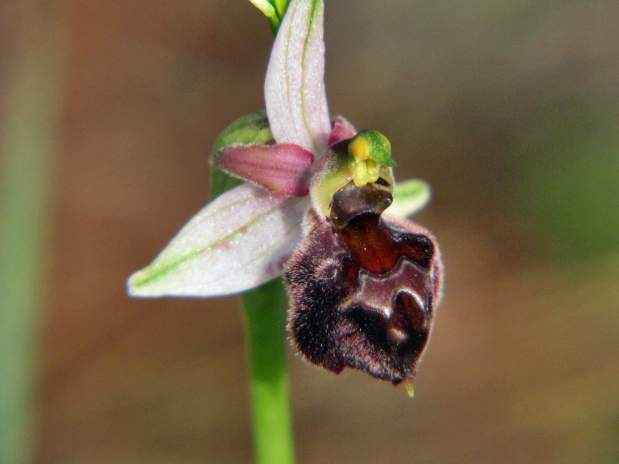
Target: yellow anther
[
  {"x": 373, "y": 171},
  {"x": 410, "y": 389},
  {"x": 360, "y": 148},
  {"x": 360, "y": 173}
]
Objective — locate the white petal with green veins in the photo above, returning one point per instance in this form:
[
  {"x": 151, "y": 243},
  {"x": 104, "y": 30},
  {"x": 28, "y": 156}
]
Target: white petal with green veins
[
  {"x": 233, "y": 244},
  {"x": 294, "y": 89},
  {"x": 408, "y": 198}
]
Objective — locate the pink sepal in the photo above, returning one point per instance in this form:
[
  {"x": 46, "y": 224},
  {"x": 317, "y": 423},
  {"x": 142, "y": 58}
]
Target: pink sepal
[{"x": 283, "y": 169}]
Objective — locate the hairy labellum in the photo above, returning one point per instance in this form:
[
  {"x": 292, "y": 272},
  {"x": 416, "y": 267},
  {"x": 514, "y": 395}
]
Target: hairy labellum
[{"x": 363, "y": 288}]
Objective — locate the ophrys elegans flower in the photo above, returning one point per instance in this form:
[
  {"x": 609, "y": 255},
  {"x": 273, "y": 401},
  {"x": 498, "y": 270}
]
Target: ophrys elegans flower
[{"x": 320, "y": 205}]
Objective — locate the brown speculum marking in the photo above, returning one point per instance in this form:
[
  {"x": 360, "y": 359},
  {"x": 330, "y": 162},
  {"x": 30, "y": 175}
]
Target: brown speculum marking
[{"x": 362, "y": 288}]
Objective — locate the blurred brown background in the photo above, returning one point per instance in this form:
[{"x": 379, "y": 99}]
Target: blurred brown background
[{"x": 509, "y": 109}]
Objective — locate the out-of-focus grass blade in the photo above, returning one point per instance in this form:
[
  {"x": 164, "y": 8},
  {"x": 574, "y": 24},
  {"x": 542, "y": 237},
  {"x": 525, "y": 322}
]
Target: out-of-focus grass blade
[{"x": 27, "y": 137}]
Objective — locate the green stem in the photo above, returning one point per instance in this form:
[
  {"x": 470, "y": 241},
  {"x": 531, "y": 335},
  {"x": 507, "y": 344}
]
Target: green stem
[{"x": 265, "y": 318}]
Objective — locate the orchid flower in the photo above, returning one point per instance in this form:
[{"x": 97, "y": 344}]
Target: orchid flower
[{"x": 318, "y": 205}]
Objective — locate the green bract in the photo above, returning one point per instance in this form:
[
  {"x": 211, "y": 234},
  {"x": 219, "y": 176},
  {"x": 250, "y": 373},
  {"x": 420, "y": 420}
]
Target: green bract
[{"x": 251, "y": 128}]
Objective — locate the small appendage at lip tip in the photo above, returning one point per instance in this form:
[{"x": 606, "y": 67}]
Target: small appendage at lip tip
[{"x": 410, "y": 389}]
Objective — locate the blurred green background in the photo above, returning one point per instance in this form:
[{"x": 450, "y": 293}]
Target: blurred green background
[{"x": 509, "y": 109}]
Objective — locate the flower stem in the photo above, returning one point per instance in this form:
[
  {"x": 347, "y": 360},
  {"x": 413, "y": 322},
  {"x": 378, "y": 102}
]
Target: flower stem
[{"x": 265, "y": 318}]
